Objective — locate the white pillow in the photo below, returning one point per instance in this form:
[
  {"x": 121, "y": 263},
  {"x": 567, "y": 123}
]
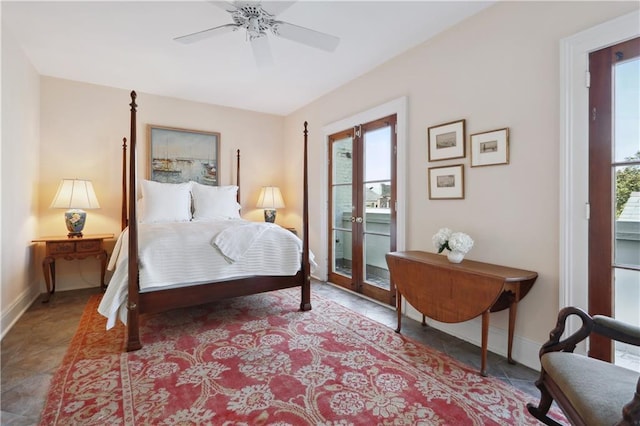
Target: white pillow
[
  {"x": 165, "y": 202},
  {"x": 214, "y": 202}
]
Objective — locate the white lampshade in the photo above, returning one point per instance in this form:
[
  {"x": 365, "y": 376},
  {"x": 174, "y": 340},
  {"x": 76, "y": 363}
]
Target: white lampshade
[
  {"x": 270, "y": 198},
  {"x": 75, "y": 194}
]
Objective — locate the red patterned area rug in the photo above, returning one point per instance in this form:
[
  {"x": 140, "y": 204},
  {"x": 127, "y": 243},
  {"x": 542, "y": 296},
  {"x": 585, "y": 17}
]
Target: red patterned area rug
[{"x": 257, "y": 360}]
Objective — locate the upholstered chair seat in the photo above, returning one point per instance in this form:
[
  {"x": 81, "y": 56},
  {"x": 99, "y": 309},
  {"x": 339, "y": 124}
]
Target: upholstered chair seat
[{"x": 589, "y": 391}]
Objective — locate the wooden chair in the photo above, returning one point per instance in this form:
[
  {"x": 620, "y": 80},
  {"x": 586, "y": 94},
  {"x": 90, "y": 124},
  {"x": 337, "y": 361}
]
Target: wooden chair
[{"x": 589, "y": 391}]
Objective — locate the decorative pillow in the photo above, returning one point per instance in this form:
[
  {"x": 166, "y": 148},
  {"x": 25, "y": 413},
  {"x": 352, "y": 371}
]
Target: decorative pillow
[
  {"x": 214, "y": 202},
  {"x": 165, "y": 202}
]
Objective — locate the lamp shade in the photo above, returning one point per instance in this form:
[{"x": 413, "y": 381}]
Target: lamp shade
[
  {"x": 270, "y": 198},
  {"x": 75, "y": 194}
]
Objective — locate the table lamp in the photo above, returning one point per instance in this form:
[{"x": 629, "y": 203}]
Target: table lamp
[
  {"x": 75, "y": 195},
  {"x": 270, "y": 199}
]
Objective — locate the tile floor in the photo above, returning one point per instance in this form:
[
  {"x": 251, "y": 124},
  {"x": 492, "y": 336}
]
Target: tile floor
[{"x": 34, "y": 347}]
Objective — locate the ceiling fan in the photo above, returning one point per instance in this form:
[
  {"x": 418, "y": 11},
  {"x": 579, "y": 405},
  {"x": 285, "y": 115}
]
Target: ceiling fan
[{"x": 257, "y": 19}]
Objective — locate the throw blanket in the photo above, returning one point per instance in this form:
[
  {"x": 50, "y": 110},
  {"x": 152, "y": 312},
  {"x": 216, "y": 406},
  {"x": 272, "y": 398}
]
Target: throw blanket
[{"x": 234, "y": 241}]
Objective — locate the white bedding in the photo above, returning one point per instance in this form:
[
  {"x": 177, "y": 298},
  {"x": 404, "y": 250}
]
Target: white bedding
[{"x": 190, "y": 253}]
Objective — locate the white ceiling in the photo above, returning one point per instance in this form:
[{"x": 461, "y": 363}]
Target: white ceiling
[{"x": 130, "y": 45}]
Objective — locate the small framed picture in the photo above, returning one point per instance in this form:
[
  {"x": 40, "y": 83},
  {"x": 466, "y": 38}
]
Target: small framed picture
[
  {"x": 446, "y": 183},
  {"x": 490, "y": 148},
  {"x": 446, "y": 141}
]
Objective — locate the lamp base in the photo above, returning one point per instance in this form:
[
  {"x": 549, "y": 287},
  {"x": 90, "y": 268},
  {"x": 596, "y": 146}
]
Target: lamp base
[
  {"x": 75, "y": 220},
  {"x": 269, "y": 216}
]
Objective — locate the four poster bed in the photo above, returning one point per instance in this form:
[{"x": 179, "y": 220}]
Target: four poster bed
[{"x": 137, "y": 288}]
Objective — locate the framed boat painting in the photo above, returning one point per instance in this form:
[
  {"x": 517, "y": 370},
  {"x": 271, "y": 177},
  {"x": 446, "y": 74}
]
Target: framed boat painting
[{"x": 182, "y": 155}]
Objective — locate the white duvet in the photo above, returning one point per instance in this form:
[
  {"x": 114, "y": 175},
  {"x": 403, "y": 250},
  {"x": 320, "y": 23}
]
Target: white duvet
[{"x": 180, "y": 254}]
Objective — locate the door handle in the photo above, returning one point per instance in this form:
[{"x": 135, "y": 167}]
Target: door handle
[{"x": 356, "y": 219}]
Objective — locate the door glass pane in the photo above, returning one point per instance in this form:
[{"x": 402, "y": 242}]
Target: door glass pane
[
  {"x": 626, "y": 244},
  {"x": 342, "y": 161},
  {"x": 342, "y": 252},
  {"x": 342, "y": 206},
  {"x": 626, "y": 109},
  {"x": 376, "y": 206},
  {"x": 377, "y": 212},
  {"x": 627, "y": 300},
  {"x": 377, "y": 150},
  {"x": 376, "y": 270},
  {"x": 342, "y": 176},
  {"x": 627, "y": 216},
  {"x": 626, "y": 144}
]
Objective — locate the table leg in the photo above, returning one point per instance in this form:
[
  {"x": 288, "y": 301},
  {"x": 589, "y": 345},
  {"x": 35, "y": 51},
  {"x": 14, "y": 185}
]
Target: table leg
[
  {"x": 513, "y": 310},
  {"x": 485, "y": 335},
  {"x": 49, "y": 272},
  {"x": 399, "y": 310},
  {"x": 103, "y": 268}
]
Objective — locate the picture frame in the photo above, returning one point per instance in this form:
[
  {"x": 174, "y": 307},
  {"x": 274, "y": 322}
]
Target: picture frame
[
  {"x": 490, "y": 148},
  {"x": 446, "y": 141},
  {"x": 446, "y": 182},
  {"x": 182, "y": 155}
]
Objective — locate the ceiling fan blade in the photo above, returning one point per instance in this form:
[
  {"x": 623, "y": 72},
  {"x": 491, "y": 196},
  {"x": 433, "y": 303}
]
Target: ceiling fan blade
[
  {"x": 262, "y": 51},
  {"x": 225, "y": 5},
  {"x": 191, "y": 38},
  {"x": 306, "y": 36},
  {"x": 275, "y": 7}
]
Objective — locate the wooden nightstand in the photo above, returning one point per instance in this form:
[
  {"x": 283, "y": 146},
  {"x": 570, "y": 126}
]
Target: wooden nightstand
[
  {"x": 70, "y": 249},
  {"x": 293, "y": 230}
]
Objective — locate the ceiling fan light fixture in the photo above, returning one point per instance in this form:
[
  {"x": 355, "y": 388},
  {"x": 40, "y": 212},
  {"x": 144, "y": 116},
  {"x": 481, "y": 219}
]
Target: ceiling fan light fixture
[{"x": 255, "y": 28}]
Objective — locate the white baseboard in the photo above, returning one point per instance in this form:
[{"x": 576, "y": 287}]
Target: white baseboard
[
  {"x": 19, "y": 306},
  {"x": 524, "y": 351}
]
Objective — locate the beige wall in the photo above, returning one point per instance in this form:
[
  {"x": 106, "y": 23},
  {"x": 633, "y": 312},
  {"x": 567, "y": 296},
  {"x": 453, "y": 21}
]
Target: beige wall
[
  {"x": 82, "y": 129},
  {"x": 19, "y": 174},
  {"x": 497, "y": 69}
]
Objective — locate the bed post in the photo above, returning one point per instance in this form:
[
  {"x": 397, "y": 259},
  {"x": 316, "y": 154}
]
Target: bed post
[
  {"x": 133, "y": 334},
  {"x": 123, "y": 216},
  {"x": 305, "y": 302}
]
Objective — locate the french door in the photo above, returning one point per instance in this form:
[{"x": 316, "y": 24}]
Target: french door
[
  {"x": 614, "y": 190},
  {"x": 362, "y": 207}
]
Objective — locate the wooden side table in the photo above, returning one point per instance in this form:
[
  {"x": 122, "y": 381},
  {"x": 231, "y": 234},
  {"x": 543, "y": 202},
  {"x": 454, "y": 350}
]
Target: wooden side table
[
  {"x": 71, "y": 249},
  {"x": 457, "y": 292}
]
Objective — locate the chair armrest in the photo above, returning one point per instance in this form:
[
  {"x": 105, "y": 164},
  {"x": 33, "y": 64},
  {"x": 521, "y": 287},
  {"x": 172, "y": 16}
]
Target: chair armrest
[
  {"x": 600, "y": 324},
  {"x": 616, "y": 330},
  {"x": 554, "y": 344}
]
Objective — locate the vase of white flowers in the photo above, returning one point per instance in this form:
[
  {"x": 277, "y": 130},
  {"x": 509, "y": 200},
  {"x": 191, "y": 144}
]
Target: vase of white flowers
[
  {"x": 455, "y": 256},
  {"x": 458, "y": 244}
]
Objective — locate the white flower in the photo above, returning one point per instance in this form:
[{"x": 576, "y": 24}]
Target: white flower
[
  {"x": 445, "y": 238},
  {"x": 459, "y": 241},
  {"x": 441, "y": 238}
]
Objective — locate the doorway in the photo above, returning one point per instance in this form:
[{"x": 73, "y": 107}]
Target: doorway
[
  {"x": 362, "y": 208},
  {"x": 614, "y": 191}
]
